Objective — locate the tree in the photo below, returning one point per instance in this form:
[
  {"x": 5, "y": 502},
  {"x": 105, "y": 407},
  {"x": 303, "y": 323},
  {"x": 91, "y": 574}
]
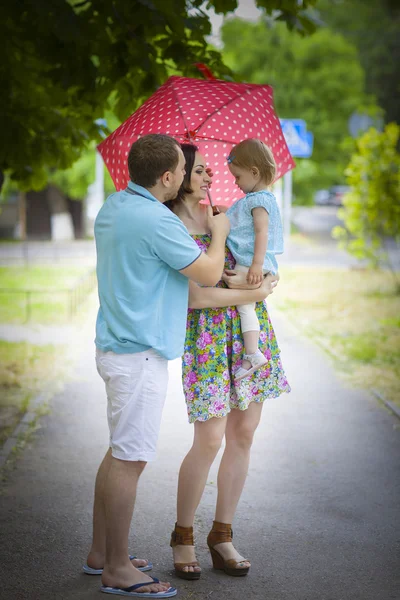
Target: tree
[
  {"x": 371, "y": 210},
  {"x": 62, "y": 59},
  {"x": 373, "y": 27},
  {"x": 317, "y": 78}
]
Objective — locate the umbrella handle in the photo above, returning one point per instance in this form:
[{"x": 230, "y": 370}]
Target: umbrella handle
[{"x": 215, "y": 209}]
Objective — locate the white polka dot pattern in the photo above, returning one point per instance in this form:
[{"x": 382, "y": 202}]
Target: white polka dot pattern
[{"x": 214, "y": 114}]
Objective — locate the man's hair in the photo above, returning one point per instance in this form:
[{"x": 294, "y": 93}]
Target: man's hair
[
  {"x": 150, "y": 157},
  {"x": 254, "y": 153}
]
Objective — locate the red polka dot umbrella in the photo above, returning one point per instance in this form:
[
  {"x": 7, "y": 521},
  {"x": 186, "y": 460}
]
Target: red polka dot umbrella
[{"x": 211, "y": 113}]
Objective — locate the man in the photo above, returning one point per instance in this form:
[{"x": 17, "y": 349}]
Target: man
[{"x": 145, "y": 257}]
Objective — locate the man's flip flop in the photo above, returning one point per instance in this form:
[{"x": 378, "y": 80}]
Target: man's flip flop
[
  {"x": 89, "y": 571},
  {"x": 130, "y": 591}
]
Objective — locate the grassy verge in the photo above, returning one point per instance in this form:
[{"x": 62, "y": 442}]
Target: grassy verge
[
  {"x": 25, "y": 369},
  {"x": 354, "y": 315},
  {"x": 49, "y": 303}
]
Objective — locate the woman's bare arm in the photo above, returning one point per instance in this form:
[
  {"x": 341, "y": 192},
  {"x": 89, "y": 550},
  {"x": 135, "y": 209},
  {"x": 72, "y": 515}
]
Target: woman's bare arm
[{"x": 210, "y": 297}]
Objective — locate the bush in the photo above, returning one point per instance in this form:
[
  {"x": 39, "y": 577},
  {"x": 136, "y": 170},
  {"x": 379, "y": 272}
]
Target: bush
[{"x": 371, "y": 210}]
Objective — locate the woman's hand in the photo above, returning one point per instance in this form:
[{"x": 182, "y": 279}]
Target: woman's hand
[
  {"x": 267, "y": 286},
  {"x": 237, "y": 280},
  {"x": 268, "y": 283}
]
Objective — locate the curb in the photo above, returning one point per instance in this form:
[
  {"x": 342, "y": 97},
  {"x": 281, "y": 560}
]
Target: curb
[
  {"x": 392, "y": 407},
  {"x": 24, "y": 425},
  {"x": 44, "y": 397}
]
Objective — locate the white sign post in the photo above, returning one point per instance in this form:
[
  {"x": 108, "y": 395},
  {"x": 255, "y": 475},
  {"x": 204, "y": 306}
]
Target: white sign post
[
  {"x": 287, "y": 203},
  {"x": 278, "y": 195},
  {"x": 300, "y": 144}
]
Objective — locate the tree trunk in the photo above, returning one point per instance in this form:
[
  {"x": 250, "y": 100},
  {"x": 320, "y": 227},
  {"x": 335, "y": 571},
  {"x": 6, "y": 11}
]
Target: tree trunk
[{"x": 22, "y": 215}]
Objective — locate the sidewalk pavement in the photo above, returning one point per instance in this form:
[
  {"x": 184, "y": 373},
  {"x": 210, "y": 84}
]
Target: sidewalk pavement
[{"x": 319, "y": 517}]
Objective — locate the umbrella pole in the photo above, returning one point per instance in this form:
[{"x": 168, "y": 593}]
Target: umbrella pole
[{"x": 215, "y": 209}]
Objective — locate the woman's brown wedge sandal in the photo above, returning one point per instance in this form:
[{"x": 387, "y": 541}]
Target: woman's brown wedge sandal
[
  {"x": 222, "y": 532},
  {"x": 183, "y": 536}
]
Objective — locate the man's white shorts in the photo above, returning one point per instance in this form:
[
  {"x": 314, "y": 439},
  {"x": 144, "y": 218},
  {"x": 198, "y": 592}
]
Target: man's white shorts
[{"x": 136, "y": 386}]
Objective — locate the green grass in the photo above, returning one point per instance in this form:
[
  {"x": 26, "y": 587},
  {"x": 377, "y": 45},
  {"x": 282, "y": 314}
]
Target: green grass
[
  {"x": 25, "y": 369},
  {"x": 354, "y": 315},
  {"x": 49, "y": 302}
]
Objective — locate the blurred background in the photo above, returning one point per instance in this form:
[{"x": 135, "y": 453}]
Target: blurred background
[{"x": 71, "y": 74}]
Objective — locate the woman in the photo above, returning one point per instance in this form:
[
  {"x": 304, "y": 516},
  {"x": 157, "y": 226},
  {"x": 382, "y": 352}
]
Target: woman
[{"x": 217, "y": 404}]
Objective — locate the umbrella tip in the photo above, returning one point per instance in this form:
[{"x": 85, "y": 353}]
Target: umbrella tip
[{"x": 206, "y": 71}]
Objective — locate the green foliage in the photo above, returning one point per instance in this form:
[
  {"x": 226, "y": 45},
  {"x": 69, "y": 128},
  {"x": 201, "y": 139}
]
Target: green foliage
[
  {"x": 62, "y": 60},
  {"x": 74, "y": 182},
  {"x": 371, "y": 210},
  {"x": 298, "y": 16},
  {"x": 318, "y": 78}
]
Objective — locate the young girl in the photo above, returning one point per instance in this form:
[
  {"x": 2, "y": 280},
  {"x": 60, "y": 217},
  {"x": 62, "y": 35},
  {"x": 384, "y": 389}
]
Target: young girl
[{"x": 255, "y": 238}]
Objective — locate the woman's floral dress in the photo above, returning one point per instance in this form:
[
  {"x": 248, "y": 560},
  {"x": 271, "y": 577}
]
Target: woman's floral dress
[{"x": 213, "y": 354}]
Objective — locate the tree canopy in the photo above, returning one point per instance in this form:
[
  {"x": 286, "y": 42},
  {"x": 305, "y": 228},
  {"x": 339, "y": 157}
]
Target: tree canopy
[
  {"x": 373, "y": 27},
  {"x": 62, "y": 60},
  {"x": 318, "y": 78}
]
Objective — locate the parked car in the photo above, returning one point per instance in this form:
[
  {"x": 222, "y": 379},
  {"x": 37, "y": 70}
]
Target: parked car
[
  {"x": 336, "y": 193},
  {"x": 321, "y": 197}
]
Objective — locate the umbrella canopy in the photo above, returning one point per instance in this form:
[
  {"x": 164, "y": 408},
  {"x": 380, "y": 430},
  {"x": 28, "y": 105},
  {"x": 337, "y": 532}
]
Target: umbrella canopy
[{"x": 214, "y": 115}]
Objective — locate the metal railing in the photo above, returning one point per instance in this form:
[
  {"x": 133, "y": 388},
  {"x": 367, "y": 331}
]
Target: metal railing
[{"x": 74, "y": 295}]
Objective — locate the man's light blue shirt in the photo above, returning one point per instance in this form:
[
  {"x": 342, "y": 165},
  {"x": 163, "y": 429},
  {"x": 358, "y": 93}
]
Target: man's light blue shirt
[
  {"x": 241, "y": 237},
  {"x": 141, "y": 247}
]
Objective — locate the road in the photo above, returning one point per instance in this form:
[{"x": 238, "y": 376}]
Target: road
[
  {"x": 319, "y": 248},
  {"x": 319, "y": 518}
]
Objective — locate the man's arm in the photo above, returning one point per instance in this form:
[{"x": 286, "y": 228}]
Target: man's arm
[{"x": 200, "y": 297}]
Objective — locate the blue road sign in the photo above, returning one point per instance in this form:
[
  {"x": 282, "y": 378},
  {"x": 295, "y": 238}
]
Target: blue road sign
[{"x": 299, "y": 140}]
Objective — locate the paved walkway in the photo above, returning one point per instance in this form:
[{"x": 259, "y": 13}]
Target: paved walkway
[{"x": 319, "y": 517}]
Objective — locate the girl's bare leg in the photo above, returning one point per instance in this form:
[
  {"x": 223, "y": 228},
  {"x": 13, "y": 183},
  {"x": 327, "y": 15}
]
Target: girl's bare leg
[
  {"x": 232, "y": 473},
  {"x": 193, "y": 475}
]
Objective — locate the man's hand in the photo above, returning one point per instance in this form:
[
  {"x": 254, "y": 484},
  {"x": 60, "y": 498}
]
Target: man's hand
[
  {"x": 255, "y": 274},
  {"x": 218, "y": 224}
]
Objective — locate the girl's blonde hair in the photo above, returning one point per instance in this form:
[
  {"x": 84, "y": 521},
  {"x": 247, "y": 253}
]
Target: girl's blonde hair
[{"x": 254, "y": 153}]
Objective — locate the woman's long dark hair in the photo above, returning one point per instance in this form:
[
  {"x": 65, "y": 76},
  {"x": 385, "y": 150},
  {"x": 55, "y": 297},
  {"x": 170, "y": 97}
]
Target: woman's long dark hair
[{"x": 189, "y": 152}]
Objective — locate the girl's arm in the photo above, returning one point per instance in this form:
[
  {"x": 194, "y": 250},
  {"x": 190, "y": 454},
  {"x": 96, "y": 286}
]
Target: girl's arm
[
  {"x": 209, "y": 297},
  {"x": 260, "y": 220}
]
